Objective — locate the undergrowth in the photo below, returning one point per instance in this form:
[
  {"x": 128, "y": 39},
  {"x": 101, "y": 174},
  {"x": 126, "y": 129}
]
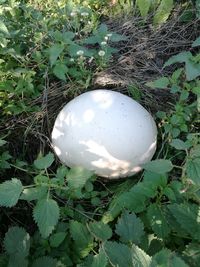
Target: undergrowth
[{"x": 55, "y": 216}]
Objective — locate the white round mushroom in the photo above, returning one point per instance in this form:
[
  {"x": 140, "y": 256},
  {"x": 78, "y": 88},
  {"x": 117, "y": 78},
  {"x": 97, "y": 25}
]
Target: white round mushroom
[{"x": 106, "y": 132}]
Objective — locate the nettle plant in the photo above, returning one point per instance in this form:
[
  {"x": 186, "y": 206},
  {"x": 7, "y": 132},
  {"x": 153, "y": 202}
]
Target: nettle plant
[{"x": 129, "y": 223}]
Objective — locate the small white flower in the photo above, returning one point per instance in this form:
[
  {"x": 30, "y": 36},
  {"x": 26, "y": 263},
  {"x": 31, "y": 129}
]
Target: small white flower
[
  {"x": 106, "y": 38},
  {"x": 73, "y": 14},
  {"x": 89, "y": 22},
  {"x": 84, "y": 14},
  {"x": 109, "y": 34},
  {"x": 103, "y": 43},
  {"x": 80, "y": 52},
  {"x": 71, "y": 59},
  {"x": 101, "y": 53}
]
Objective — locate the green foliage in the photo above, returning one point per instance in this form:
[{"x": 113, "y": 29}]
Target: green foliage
[{"x": 46, "y": 215}]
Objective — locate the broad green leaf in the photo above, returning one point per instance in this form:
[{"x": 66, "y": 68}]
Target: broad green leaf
[
  {"x": 100, "y": 230},
  {"x": 45, "y": 261},
  {"x": 17, "y": 242},
  {"x": 188, "y": 216},
  {"x": 180, "y": 58},
  {"x": 117, "y": 37},
  {"x": 160, "y": 83},
  {"x": 196, "y": 42},
  {"x": 46, "y": 215},
  {"x": 57, "y": 238},
  {"x": 144, "y": 6},
  {"x": 82, "y": 238},
  {"x": 139, "y": 257},
  {"x": 118, "y": 254},
  {"x": 193, "y": 170},
  {"x": 192, "y": 70},
  {"x": 163, "y": 12},
  {"x": 179, "y": 144},
  {"x": 35, "y": 193},
  {"x": 167, "y": 258},
  {"x": 54, "y": 52},
  {"x": 130, "y": 228},
  {"x": 100, "y": 260},
  {"x": 60, "y": 71},
  {"x": 157, "y": 220},
  {"x": 10, "y": 192},
  {"x": 158, "y": 166},
  {"x": 3, "y": 28},
  {"x": 77, "y": 177},
  {"x": 44, "y": 162}
]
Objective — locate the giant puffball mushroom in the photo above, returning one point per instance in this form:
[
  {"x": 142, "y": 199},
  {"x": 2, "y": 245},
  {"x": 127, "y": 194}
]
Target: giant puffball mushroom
[{"x": 106, "y": 132}]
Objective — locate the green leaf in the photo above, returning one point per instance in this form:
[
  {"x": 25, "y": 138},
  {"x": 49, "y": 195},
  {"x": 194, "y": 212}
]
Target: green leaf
[
  {"x": 157, "y": 220},
  {"x": 60, "y": 71},
  {"x": 46, "y": 215},
  {"x": 77, "y": 177},
  {"x": 44, "y": 261},
  {"x": 30, "y": 194},
  {"x": 44, "y": 162},
  {"x": 196, "y": 42},
  {"x": 100, "y": 230},
  {"x": 17, "y": 261},
  {"x": 144, "y": 6},
  {"x": 158, "y": 166},
  {"x": 118, "y": 254},
  {"x": 4, "y": 29},
  {"x": 117, "y": 37},
  {"x": 180, "y": 58},
  {"x": 10, "y": 192},
  {"x": 192, "y": 70},
  {"x": 164, "y": 257},
  {"x": 2, "y": 142},
  {"x": 192, "y": 254},
  {"x": 17, "y": 242},
  {"x": 100, "y": 260},
  {"x": 179, "y": 144},
  {"x": 130, "y": 228},
  {"x": 160, "y": 83},
  {"x": 193, "y": 170},
  {"x": 187, "y": 215},
  {"x": 163, "y": 12},
  {"x": 54, "y": 52},
  {"x": 56, "y": 239},
  {"x": 139, "y": 257},
  {"x": 82, "y": 238}
]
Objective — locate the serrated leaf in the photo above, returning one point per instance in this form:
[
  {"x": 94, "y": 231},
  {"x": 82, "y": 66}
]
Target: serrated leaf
[
  {"x": 77, "y": 177},
  {"x": 100, "y": 230},
  {"x": 163, "y": 11},
  {"x": 35, "y": 193},
  {"x": 60, "y": 71},
  {"x": 164, "y": 257},
  {"x": 193, "y": 170},
  {"x": 117, "y": 37},
  {"x": 188, "y": 216},
  {"x": 157, "y": 220},
  {"x": 158, "y": 166},
  {"x": 10, "y": 192},
  {"x": 192, "y": 70},
  {"x": 100, "y": 260},
  {"x": 130, "y": 228},
  {"x": 44, "y": 162},
  {"x": 82, "y": 238},
  {"x": 144, "y": 6},
  {"x": 180, "y": 58},
  {"x": 17, "y": 261},
  {"x": 196, "y": 42},
  {"x": 46, "y": 215},
  {"x": 54, "y": 52},
  {"x": 17, "y": 242},
  {"x": 44, "y": 261},
  {"x": 118, "y": 254},
  {"x": 160, "y": 83},
  {"x": 139, "y": 257},
  {"x": 179, "y": 144},
  {"x": 56, "y": 239}
]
